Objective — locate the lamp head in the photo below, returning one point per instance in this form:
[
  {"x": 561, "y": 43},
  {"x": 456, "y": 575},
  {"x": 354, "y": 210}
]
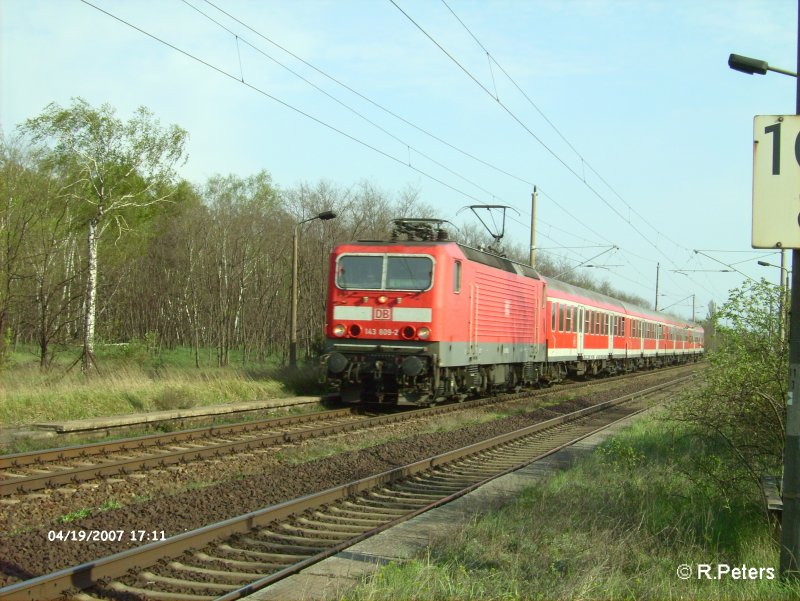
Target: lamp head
[{"x": 747, "y": 65}]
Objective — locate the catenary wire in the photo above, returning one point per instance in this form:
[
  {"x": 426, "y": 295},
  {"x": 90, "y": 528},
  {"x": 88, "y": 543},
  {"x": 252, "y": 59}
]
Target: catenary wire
[{"x": 537, "y": 138}]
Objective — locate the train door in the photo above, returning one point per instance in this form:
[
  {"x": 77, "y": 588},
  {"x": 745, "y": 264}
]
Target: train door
[
  {"x": 579, "y": 315},
  {"x": 612, "y": 325},
  {"x": 658, "y": 334}
]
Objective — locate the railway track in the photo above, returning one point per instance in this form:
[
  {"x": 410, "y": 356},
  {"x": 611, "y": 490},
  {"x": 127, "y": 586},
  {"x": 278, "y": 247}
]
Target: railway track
[
  {"x": 233, "y": 558},
  {"x": 28, "y": 472}
]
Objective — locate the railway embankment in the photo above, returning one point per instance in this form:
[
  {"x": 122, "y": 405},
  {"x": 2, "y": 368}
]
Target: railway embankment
[
  {"x": 628, "y": 520},
  {"x": 225, "y": 494}
]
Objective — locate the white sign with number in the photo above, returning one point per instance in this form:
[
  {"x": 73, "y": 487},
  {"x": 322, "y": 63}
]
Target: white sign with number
[{"x": 776, "y": 181}]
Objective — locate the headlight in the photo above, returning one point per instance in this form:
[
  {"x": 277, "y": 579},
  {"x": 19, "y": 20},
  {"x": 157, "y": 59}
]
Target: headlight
[
  {"x": 424, "y": 333},
  {"x": 338, "y": 330}
]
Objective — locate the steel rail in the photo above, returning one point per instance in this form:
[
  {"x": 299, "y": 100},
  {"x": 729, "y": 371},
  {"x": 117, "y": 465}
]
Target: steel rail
[
  {"x": 163, "y": 458},
  {"x": 87, "y": 574},
  {"x": 139, "y": 443}
]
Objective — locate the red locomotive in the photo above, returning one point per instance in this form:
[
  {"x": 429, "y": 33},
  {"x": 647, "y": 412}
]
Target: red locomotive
[{"x": 426, "y": 319}]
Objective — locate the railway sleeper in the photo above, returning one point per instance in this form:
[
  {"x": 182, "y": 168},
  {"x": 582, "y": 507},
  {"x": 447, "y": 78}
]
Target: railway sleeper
[
  {"x": 395, "y": 503},
  {"x": 158, "y": 595},
  {"x": 237, "y": 563},
  {"x": 269, "y": 561},
  {"x": 456, "y": 478},
  {"x": 238, "y": 576},
  {"x": 350, "y": 518},
  {"x": 410, "y": 500},
  {"x": 344, "y": 528},
  {"x": 427, "y": 489},
  {"x": 280, "y": 551},
  {"x": 299, "y": 534},
  {"x": 297, "y": 544},
  {"x": 151, "y": 577},
  {"x": 376, "y": 506},
  {"x": 408, "y": 492}
]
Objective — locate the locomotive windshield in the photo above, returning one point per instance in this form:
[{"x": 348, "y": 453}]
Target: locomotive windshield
[{"x": 384, "y": 272}]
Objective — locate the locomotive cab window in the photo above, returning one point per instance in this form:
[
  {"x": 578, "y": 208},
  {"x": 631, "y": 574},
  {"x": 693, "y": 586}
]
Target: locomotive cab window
[
  {"x": 457, "y": 277},
  {"x": 360, "y": 272},
  {"x": 408, "y": 273},
  {"x": 384, "y": 272}
]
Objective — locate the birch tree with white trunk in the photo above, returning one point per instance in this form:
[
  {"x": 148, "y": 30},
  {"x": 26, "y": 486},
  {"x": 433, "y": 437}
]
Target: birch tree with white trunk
[{"x": 112, "y": 169}]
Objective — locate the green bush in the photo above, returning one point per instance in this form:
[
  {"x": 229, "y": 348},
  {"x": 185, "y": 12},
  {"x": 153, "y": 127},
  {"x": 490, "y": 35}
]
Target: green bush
[{"x": 737, "y": 415}]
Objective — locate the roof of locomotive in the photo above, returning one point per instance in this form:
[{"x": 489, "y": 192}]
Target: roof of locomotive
[{"x": 472, "y": 254}]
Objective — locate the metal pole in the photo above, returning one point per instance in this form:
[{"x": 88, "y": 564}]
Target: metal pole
[
  {"x": 790, "y": 520},
  {"x": 533, "y": 227},
  {"x": 658, "y": 273},
  {"x": 782, "y": 300},
  {"x": 693, "y": 307},
  {"x": 293, "y": 338}
]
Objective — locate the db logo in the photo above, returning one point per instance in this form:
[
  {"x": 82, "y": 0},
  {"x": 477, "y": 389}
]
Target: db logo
[{"x": 381, "y": 313}]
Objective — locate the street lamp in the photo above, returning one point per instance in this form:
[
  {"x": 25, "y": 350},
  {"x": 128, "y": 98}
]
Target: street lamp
[
  {"x": 324, "y": 216},
  {"x": 748, "y": 65},
  {"x": 790, "y": 492}
]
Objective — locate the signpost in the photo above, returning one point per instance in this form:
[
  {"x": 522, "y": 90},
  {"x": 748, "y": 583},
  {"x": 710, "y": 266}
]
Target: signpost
[{"x": 776, "y": 181}]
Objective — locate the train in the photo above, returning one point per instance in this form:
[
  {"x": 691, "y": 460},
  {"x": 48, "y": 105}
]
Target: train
[{"x": 419, "y": 319}]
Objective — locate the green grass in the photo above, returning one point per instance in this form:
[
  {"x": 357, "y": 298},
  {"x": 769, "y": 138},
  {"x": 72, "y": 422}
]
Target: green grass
[
  {"x": 132, "y": 381},
  {"x": 580, "y": 536},
  {"x": 75, "y": 515}
]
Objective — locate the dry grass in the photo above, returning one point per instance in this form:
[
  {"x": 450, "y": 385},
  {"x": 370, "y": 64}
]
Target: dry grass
[{"x": 28, "y": 395}]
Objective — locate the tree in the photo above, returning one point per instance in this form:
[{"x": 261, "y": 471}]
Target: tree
[
  {"x": 16, "y": 219},
  {"x": 246, "y": 215},
  {"x": 738, "y": 414},
  {"x": 110, "y": 167}
]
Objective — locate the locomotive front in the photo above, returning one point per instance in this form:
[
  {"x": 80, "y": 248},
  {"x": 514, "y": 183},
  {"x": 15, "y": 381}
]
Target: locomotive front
[{"x": 381, "y": 320}]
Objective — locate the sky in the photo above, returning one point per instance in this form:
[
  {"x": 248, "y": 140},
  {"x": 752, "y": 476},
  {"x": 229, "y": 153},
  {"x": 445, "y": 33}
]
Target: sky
[{"x": 624, "y": 114}]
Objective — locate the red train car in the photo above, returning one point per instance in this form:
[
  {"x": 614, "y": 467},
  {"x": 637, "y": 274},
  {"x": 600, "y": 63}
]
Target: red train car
[
  {"x": 425, "y": 319},
  {"x": 591, "y": 333}
]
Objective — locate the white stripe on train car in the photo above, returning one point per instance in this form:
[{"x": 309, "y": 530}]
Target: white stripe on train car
[
  {"x": 345, "y": 312},
  {"x": 412, "y": 314}
]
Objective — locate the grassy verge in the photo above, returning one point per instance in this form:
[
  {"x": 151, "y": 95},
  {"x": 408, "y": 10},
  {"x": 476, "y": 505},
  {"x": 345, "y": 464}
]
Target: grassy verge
[
  {"x": 129, "y": 381},
  {"x": 620, "y": 536}
]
